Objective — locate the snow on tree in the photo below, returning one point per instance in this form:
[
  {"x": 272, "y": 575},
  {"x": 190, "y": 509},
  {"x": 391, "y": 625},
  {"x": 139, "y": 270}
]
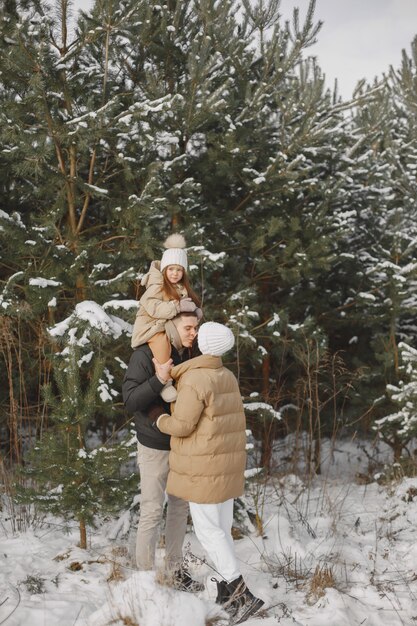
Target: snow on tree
[
  {"x": 70, "y": 474},
  {"x": 210, "y": 119},
  {"x": 398, "y": 428}
]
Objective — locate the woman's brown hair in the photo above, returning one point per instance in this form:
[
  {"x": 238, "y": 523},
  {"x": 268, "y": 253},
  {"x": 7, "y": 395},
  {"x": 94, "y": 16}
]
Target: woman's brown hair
[{"x": 173, "y": 294}]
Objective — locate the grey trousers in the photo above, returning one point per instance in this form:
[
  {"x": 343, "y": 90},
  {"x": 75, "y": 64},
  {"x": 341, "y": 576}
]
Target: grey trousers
[{"x": 153, "y": 468}]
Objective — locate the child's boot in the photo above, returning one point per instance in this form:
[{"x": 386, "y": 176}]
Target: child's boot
[{"x": 168, "y": 392}]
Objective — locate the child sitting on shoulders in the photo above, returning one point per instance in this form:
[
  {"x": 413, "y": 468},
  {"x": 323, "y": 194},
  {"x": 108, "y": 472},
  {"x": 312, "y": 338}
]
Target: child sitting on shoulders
[{"x": 168, "y": 293}]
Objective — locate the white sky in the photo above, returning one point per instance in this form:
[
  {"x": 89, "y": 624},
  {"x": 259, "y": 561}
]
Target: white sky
[{"x": 359, "y": 38}]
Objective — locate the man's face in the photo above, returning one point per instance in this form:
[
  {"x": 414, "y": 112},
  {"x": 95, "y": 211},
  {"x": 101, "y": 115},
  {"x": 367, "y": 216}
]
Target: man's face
[{"x": 187, "y": 329}]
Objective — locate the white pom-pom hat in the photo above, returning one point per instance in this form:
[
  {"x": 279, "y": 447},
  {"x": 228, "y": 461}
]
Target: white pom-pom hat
[
  {"x": 175, "y": 253},
  {"x": 215, "y": 339}
]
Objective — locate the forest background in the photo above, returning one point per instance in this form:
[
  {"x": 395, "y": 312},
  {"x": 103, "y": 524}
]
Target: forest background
[{"x": 299, "y": 210}]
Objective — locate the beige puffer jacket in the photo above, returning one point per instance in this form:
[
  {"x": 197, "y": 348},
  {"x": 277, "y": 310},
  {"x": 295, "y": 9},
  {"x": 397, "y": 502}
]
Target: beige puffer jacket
[
  {"x": 207, "y": 427},
  {"x": 154, "y": 307}
]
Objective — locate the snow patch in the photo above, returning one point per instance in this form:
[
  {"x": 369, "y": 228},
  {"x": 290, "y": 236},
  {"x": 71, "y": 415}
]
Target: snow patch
[{"x": 43, "y": 282}]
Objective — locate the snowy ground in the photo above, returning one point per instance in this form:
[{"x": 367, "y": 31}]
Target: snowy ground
[{"x": 334, "y": 552}]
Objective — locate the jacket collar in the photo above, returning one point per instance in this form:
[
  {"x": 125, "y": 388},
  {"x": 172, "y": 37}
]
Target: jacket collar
[{"x": 205, "y": 360}]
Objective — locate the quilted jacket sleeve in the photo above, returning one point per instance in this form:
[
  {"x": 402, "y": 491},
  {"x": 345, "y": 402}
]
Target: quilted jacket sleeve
[
  {"x": 140, "y": 385},
  {"x": 156, "y": 307},
  {"x": 185, "y": 416}
]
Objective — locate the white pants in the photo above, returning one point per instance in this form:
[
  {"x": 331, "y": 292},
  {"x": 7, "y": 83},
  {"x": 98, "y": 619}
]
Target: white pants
[{"x": 213, "y": 526}]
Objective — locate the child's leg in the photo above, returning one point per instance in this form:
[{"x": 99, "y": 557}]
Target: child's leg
[{"x": 161, "y": 347}]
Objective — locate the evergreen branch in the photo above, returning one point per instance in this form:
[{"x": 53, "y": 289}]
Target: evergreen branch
[
  {"x": 87, "y": 195},
  {"x": 357, "y": 100},
  {"x": 242, "y": 202},
  {"x": 101, "y": 243},
  {"x": 61, "y": 162},
  {"x": 269, "y": 319}
]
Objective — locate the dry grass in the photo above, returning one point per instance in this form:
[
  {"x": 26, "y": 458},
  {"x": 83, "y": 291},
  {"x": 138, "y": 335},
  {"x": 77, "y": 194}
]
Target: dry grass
[
  {"x": 128, "y": 621},
  {"x": 116, "y": 571},
  {"x": 63, "y": 556},
  {"x": 164, "y": 578},
  {"x": 237, "y": 533},
  {"x": 322, "y": 579},
  {"x": 215, "y": 621}
]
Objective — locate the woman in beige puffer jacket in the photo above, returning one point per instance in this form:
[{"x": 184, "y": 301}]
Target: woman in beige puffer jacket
[
  {"x": 208, "y": 433},
  {"x": 208, "y": 459}
]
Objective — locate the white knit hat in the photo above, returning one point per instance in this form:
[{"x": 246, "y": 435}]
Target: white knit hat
[
  {"x": 215, "y": 339},
  {"x": 175, "y": 253}
]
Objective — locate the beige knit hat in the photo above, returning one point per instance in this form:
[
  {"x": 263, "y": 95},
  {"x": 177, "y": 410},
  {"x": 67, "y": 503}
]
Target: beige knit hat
[
  {"x": 215, "y": 339},
  {"x": 175, "y": 253}
]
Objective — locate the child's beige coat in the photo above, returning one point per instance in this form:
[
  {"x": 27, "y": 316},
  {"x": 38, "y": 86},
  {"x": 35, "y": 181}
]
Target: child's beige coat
[{"x": 155, "y": 309}]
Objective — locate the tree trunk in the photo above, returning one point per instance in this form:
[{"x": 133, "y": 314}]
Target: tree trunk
[
  {"x": 317, "y": 454},
  {"x": 83, "y": 534},
  {"x": 267, "y": 426},
  {"x": 397, "y": 448},
  {"x": 317, "y": 426}
]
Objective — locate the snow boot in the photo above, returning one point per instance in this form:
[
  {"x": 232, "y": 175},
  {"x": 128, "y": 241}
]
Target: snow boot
[
  {"x": 168, "y": 392},
  {"x": 241, "y": 603},
  {"x": 222, "y": 591},
  {"x": 184, "y": 582}
]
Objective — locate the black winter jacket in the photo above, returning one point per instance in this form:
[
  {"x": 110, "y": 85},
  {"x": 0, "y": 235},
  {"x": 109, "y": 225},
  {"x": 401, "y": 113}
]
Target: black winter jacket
[{"x": 141, "y": 389}]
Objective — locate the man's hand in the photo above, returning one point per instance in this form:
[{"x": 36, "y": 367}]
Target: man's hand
[{"x": 162, "y": 370}]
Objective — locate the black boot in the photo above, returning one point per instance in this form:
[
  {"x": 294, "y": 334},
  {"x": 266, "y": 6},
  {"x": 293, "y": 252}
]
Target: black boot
[
  {"x": 241, "y": 603},
  {"x": 184, "y": 582},
  {"x": 222, "y": 592}
]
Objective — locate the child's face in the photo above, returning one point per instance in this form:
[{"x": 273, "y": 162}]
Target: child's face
[{"x": 174, "y": 273}]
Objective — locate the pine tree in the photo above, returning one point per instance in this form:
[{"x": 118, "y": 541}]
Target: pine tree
[
  {"x": 71, "y": 476},
  {"x": 277, "y": 170},
  {"x": 382, "y": 303},
  {"x": 179, "y": 116},
  {"x": 209, "y": 118},
  {"x": 59, "y": 134},
  {"x": 397, "y": 429}
]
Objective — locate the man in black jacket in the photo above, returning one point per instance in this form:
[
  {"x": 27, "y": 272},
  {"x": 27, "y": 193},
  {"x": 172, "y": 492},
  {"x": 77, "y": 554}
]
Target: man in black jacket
[{"x": 141, "y": 389}]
